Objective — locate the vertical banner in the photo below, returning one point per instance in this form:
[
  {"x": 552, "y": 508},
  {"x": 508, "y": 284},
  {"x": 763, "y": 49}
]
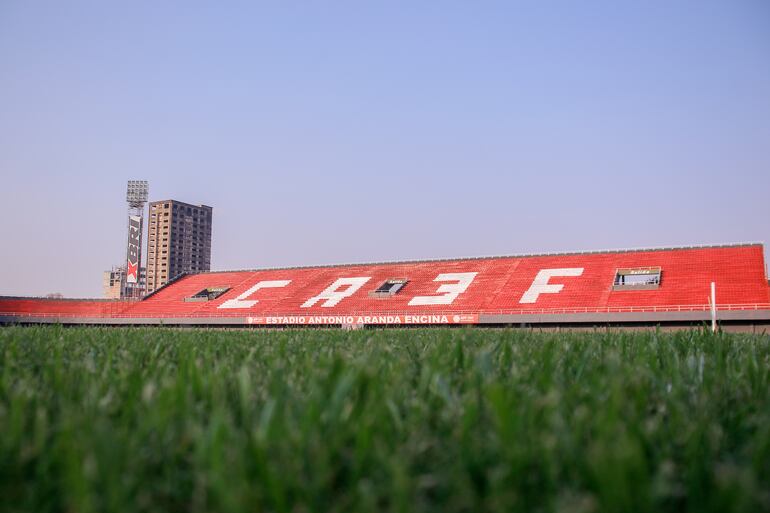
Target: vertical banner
[{"x": 134, "y": 253}]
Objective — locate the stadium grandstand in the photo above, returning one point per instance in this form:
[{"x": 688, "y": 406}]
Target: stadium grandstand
[{"x": 647, "y": 287}]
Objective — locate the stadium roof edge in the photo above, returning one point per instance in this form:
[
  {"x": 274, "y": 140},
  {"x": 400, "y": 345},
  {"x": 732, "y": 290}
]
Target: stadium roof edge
[{"x": 456, "y": 259}]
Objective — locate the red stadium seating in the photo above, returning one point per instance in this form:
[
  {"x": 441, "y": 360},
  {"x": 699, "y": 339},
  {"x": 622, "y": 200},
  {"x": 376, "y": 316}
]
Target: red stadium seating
[
  {"x": 63, "y": 307},
  {"x": 499, "y": 286}
]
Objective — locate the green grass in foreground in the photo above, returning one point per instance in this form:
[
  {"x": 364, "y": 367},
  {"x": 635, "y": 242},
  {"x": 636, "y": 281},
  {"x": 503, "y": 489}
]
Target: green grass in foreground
[{"x": 436, "y": 420}]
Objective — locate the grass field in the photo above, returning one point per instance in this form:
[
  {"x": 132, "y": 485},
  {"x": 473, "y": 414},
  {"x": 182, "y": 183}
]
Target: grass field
[{"x": 434, "y": 420}]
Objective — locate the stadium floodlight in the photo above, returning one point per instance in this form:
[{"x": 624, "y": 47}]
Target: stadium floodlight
[
  {"x": 136, "y": 196},
  {"x": 137, "y": 192}
]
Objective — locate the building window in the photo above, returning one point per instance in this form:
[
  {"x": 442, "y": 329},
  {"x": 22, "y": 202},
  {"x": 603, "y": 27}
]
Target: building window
[{"x": 639, "y": 278}]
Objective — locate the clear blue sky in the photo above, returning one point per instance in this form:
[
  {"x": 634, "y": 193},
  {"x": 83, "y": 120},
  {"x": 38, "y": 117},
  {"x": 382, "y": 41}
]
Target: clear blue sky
[{"x": 332, "y": 132}]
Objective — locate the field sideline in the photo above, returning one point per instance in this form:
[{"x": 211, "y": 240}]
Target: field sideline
[{"x": 382, "y": 420}]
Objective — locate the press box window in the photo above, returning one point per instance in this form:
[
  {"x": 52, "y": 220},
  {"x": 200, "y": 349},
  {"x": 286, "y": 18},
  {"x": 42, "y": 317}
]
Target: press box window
[
  {"x": 640, "y": 278},
  {"x": 389, "y": 288},
  {"x": 208, "y": 294}
]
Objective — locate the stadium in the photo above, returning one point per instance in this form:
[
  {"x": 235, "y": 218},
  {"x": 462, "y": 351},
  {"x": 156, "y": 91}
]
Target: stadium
[
  {"x": 628, "y": 288},
  {"x": 398, "y": 257}
]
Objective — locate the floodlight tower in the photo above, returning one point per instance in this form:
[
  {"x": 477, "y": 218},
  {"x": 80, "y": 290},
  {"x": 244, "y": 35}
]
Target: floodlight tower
[{"x": 136, "y": 197}]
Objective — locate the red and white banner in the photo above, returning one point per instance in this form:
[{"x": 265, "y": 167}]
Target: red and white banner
[
  {"x": 134, "y": 252},
  {"x": 315, "y": 320}
]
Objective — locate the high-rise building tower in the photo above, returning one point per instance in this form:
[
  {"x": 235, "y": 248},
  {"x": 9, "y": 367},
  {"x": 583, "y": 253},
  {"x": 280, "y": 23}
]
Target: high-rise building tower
[{"x": 178, "y": 241}]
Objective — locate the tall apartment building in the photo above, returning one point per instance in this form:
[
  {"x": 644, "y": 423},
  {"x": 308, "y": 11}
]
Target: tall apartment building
[{"x": 178, "y": 241}]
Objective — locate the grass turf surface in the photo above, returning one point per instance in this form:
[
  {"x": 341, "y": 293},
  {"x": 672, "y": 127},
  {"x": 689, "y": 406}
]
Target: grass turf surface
[{"x": 430, "y": 419}]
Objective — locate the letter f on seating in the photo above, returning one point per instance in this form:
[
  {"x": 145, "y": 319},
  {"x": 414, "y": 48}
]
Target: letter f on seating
[{"x": 540, "y": 284}]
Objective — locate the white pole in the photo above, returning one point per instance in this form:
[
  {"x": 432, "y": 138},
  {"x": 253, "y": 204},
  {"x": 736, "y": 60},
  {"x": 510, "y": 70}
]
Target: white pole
[{"x": 713, "y": 301}]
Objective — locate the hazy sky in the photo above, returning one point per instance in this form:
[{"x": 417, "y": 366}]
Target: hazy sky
[{"x": 332, "y": 132}]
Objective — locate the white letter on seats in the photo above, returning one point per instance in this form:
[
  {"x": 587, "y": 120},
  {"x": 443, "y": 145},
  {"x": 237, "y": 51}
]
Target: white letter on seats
[
  {"x": 334, "y": 296},
  {"x": 240, "y": 301},
  {"x": 450, "y": 290},
  {"x": 540, "y": 284}
]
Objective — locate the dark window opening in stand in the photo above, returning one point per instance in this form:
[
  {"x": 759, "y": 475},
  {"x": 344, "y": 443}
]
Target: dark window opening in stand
[
  {"x": 638, "y": 278},
  {"x": 389, "y": 287},
  {"x": 208, "y": 294}
]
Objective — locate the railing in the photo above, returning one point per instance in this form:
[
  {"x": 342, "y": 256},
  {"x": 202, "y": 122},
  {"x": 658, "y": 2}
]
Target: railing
[{"x": 529, "y": 311}]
